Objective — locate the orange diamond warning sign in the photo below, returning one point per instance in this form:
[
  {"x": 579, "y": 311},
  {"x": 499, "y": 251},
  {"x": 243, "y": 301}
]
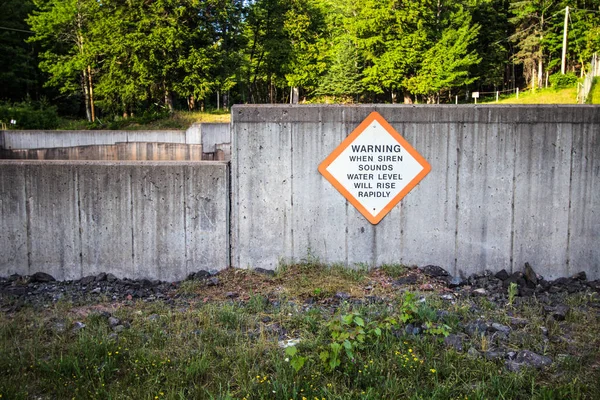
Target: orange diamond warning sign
[{"x": 374, "y": 168}]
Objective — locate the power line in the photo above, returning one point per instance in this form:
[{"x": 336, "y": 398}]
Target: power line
[{"x": 16, "y": 30}]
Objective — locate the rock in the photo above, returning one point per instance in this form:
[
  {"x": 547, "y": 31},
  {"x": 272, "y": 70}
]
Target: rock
[
  {"x": 268, "y": 272},
  {"x": 153, "y": 317},
  {"x": 426, "y": 287},
  {"x": 407, "y": 280},
  {"x": 526, "y": 291},
  {"x": 560, "y": 312},
  {"x": 42, "y": 277},
  {"x": 562, "y": 281},
  {"x": 342, "y": 296},
  {"x": 77, "y": 326},
  {"x": 480, "y": 292},
  {"x": 516, "y": 277},
  {"x": 518, "y": 322},
  {"x": 448, "y": 297},
  {"x": 199, "y": 275},
  {"x": 530, "y": 275},
  {"x": 112, "y": 321},
  {"x": 473, "y": 353},
  {"x": 496, "y": 327},
  {"x": 529, "y": 358},
  {"x": 476, "y": 328},
  {"x": 502, "y": 275},
  {"x": 96, "y": 290},
  {"x": 544, "y": 330},
  {"x": 455, "y": 281},
  {"x": 101, "y": 277},
  {"x": 232, "y": 295},
  {"x": 454, "y": 341},
  {"x": 494, "y": 355},
  {"x": 86, "y": 280},
  {"x": 213, "y": 281},
  {"x": 580, "y": 276},
  {"x": 118, "y": 328},
  {"x": 113, "y": 337},
  {"x": 110, "y": 278},
  {"x": 434, "y": 271}
]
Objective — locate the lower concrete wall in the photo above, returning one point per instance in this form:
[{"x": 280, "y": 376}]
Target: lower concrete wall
[
  {"x": 508, "y": 185},
  {"x": 133, "y": 219}
]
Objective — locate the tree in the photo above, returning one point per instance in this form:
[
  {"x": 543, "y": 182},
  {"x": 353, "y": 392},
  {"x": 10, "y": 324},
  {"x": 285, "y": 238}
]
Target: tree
[
  {"x": 18, "y": 64},
  {"x": 446, "y": 64},
  {"x": 62, "y": 28},
  {"x": 530, "y": 19}
]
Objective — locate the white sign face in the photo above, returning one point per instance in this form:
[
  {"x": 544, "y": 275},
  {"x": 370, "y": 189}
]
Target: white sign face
[
  {"x": 475, "y": 95},
  {"x": 374, "y": 168}
]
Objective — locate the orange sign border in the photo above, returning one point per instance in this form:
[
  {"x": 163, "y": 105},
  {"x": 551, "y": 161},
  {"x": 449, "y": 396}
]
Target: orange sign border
[{"x": 374, "y": 116}]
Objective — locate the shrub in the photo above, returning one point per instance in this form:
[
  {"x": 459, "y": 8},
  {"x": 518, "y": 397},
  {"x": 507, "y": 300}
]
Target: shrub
[
  {"x": 561, "y": 81},
  {"x": 29, "y": 115}
]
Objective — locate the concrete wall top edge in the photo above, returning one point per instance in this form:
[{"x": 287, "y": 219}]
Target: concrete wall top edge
[
  {"x": 418, "y": 113},
  {"x": 119, "y": 163},
  {"x": 98, "y": 132}
]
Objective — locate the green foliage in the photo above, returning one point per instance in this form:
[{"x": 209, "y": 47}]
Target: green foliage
[
  {"x": 512, "y": 292},
  {"x": 296, "y": 361},
  {"x": 29, "y": 115},
  {"x": 121, "y": 58},
  {"x": 561, "y": 81}
]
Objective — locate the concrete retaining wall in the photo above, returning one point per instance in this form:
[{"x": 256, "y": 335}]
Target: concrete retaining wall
[
  {"x": 509, "y": 185},
  {"x": 113, "y": 152},
  {"x": 209, "y": 135},
  {"x": 134, "y": 219}
]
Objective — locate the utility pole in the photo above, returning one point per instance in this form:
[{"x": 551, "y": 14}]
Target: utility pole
[{"x": 564, "y": 48}]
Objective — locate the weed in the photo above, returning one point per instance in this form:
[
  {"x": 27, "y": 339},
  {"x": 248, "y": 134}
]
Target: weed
[
  {"x": 512, "y": 292},
  {"x": 394, "y": 270}
]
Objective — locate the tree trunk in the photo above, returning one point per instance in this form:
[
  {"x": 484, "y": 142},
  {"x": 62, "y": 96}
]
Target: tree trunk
[
  {"x": 169, "y": 100},
  {"x": 407, "y": 98},
  {"x": 86, "y": 95},
  {"x": 92, "y": 107},
  {"x": 191, "y": 103}
]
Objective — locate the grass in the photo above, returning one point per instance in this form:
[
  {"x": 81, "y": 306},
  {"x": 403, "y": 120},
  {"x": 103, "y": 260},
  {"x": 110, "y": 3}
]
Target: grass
[
  {"x": 177, "y": 120},
  {"x": 594, "y": 96},
  {"x": 540, "y": 96},
  {"x": 211, "y": 348}
]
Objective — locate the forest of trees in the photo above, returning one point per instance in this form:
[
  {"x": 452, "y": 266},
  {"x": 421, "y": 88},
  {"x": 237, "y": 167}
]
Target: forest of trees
[{"x": 120, "y": 57}]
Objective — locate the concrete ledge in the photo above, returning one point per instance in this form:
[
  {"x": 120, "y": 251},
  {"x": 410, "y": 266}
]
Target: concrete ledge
[{"x": 419, "y": 113}]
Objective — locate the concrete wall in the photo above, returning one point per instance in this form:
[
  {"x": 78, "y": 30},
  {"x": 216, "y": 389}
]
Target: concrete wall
[
  {"x": 112, "y": 152},
  {"x": 134, "y": 219},
  {"x": 509, "y": 185},
  {"x": 207, "y": 134}
]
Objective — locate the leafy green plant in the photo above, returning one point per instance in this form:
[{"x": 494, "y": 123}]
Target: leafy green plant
[
  {"x": 512, "y": 292},
  {"x": 295, "y": 359}
]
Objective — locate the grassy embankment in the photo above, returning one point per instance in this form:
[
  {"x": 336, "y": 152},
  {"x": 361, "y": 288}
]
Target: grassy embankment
[
  {"x": 178, "y": 120},
  {"x": 540, "y": 96},
  {"x": 209, "y": 346}
]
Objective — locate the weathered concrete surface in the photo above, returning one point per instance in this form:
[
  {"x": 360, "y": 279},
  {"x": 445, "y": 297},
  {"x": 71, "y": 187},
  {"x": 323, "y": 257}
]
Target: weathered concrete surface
[
  {"x": 133, "y": 219},
  {"x": 214, "y": 134},
  {"x": 208, "y": 134},
  {"x": 509, "y": 185},
  {"x": 112, "y": 152}
]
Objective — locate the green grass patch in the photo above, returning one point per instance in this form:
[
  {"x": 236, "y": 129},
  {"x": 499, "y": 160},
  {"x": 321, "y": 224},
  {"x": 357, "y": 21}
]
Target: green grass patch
[
  {"x": 541, "y": 96},
  {"x": 594, "y": 96}
]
